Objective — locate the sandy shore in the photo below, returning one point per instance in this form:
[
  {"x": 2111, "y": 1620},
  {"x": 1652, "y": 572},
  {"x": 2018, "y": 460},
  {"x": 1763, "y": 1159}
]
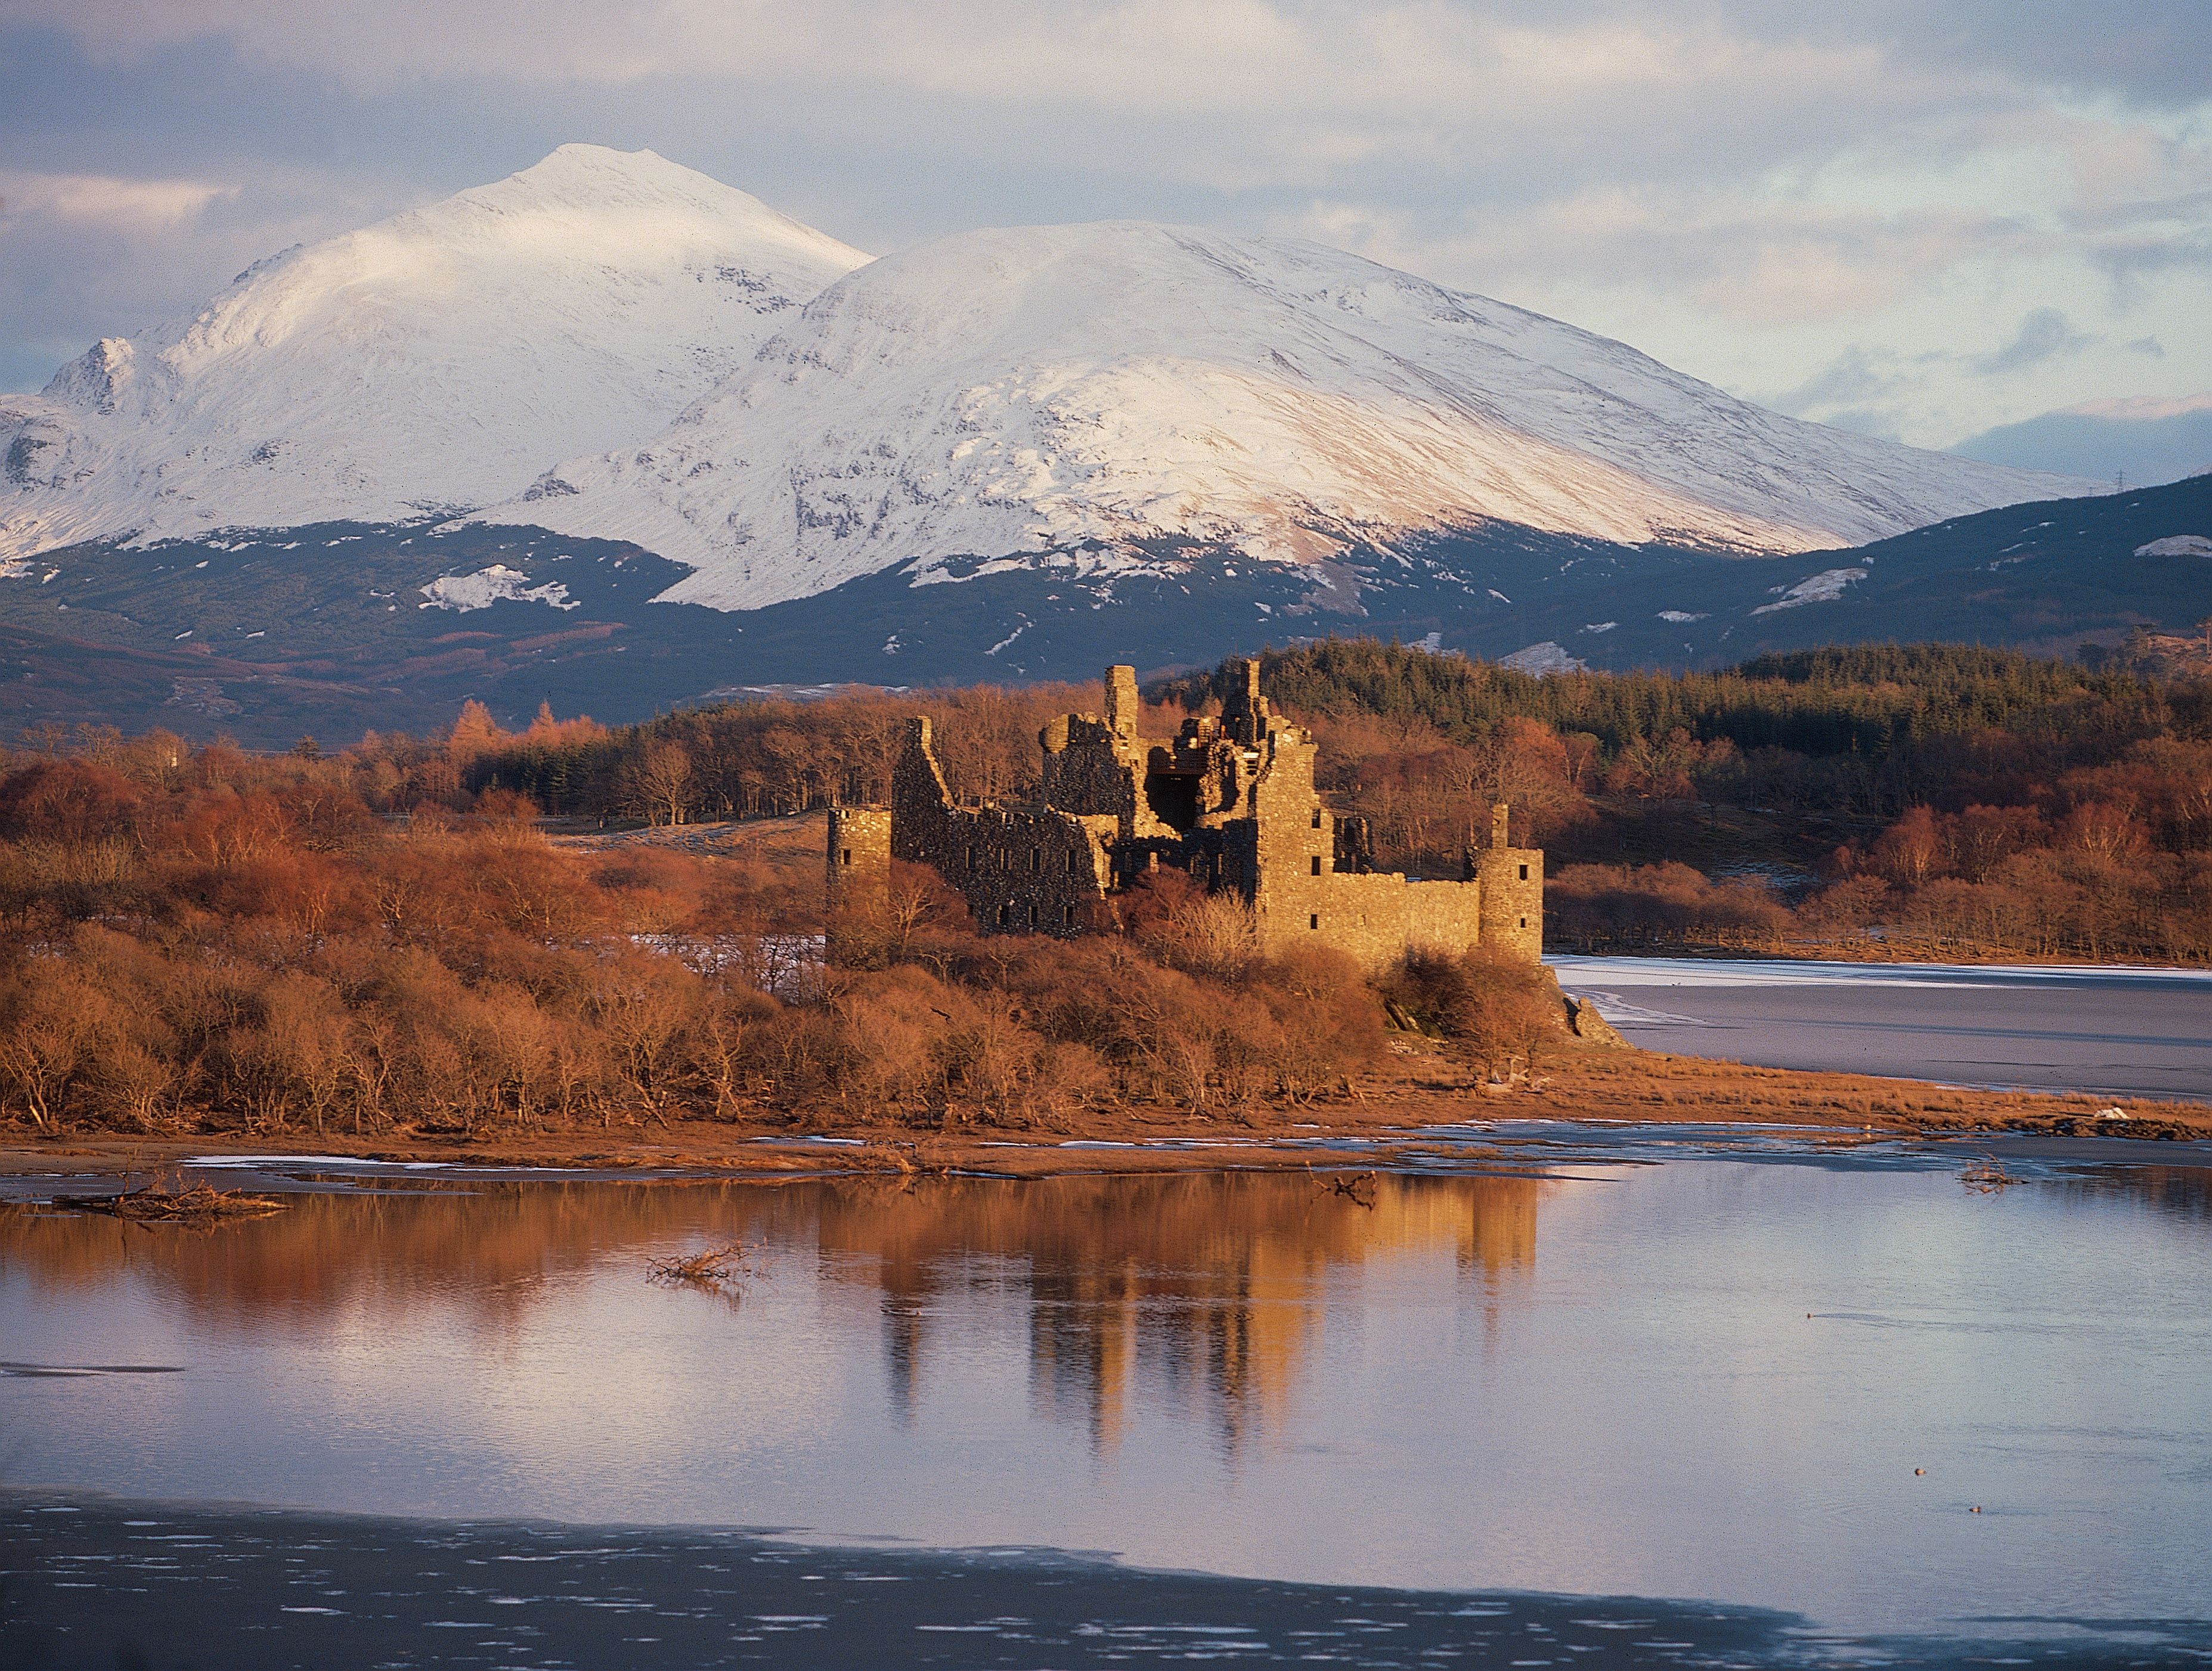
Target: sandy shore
[{"x": 1379, "y": 1125}]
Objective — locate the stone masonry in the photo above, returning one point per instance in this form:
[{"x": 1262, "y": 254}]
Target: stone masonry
[{"x": 1231, "y": 801}]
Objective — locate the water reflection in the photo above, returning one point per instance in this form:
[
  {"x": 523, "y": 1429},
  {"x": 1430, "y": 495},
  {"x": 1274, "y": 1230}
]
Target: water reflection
[
  {"x": 2182, "y": 1192},
  {"x": 1864, "y": 1394},
  {"x": 1203, "y": 1293},
  {"x": 1206, "y": 1288}
]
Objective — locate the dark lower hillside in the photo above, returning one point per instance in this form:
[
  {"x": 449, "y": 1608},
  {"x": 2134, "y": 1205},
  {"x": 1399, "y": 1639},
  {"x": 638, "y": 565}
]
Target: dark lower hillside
[
  {"x": 328, "y": 630},
  {"x": 2044, "y": 578}
]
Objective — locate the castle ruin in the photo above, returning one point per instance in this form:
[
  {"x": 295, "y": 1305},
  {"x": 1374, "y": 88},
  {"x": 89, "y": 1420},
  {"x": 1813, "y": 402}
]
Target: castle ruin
[{"x": 1231, "y": 802}]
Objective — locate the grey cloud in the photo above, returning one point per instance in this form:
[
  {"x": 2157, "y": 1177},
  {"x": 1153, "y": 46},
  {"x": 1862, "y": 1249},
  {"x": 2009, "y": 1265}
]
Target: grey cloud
[
  {"x": 2124, "y": 262},
  {"x": 2150, "y": 345},
  {"x": 1631, "y": 143},
  {"x": 2045, "y": 334},
  {"x": 1845, "y": 387},
  {"x": 2138, "y": 51},
  {"x": 2143, "y": 51}
]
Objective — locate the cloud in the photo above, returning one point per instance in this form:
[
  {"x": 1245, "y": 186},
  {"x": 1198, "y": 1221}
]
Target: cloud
[
  {"x": 104, "y": 199},
  {"x": 1748, "y": 187},
  {"x": 1853, "y": 375},
  {"x": 1738, "y": 258},
  {"x": 2144, "y": 408},
  {"x": 85, "y": 256},
  {"x": 2045, "y": 334},
  {"x": 2143, "y": 52}
]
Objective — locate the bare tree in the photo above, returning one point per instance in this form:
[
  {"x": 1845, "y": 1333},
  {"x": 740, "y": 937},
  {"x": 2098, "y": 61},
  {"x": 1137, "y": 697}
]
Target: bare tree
[{"x": 661, "y": 782}]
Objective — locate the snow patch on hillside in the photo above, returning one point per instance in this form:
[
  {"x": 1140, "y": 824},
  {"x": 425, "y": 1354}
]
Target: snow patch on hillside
[
  {"x": 1824, "y": 587},
  {"x": 497, "y": 584},
  {"x": 1549, "y": 657},
  {"x": 2177, "y": 545}
]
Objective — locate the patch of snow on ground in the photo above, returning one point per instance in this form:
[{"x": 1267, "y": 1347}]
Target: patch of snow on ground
[
  {"x": 2177, "y": 545},
  {"x": 1679, "y": 615},
  {"x": 1549, "y": 657},
  {"x": 1824, "y": 587},
  {"x": 1622, "y": 1014},
  {"x": 487, "y": 586}
]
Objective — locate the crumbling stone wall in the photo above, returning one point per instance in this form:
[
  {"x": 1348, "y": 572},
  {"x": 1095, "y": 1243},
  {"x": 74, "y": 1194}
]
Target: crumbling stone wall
[
  {"x": 1231, "y": 801},
  {"x": 1022, "y": 869},
  {"x": 860, "y": 856}
]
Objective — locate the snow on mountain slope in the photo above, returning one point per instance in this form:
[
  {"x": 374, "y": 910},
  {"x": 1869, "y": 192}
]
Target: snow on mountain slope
[
  {"x": 1061, "y": 393},
  {"x": 435, "y": 360}
]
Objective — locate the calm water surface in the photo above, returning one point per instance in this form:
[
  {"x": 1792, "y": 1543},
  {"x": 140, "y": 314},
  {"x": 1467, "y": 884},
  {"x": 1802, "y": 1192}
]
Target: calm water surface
[
  {"x": 1605, "y": 1383},
  {"x": 2111, "y": 1030}
]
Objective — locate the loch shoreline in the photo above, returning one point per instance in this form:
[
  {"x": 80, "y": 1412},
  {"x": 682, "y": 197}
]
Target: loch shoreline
[{"x": 1390, "y": 1120}]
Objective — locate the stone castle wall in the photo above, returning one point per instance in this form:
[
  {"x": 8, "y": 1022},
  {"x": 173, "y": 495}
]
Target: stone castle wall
[{"x": 1022, "y": 870}]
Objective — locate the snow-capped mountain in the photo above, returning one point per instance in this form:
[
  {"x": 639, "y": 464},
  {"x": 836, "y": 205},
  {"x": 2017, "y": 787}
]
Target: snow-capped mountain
[
  {"x": 434, "y": 361},
  {"x": 1059, "y": 397}
]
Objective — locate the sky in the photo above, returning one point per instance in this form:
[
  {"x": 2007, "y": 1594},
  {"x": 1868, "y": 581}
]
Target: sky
[{"x": 1919, "y": 221}]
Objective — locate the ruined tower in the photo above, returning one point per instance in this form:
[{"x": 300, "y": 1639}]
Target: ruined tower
[
  {"x": 1512, "y": 878},
  {"x": 859, "y": 857}
]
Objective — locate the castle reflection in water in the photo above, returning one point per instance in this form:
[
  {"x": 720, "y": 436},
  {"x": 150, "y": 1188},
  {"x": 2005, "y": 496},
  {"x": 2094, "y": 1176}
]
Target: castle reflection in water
[{"x": 1207, "y": 1291}]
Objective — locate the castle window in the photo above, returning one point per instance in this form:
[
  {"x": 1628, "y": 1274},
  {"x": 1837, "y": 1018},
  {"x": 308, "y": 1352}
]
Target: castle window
[
  {"x": 1313, "y": 922},
  {"x": 1067, "y": 916},
  {"x": 845, "y": 857},
  {"x": 1033, "y": 918},
  {"x": 1524, "y": 922},
  {"x": 1524, "y": 877},
  {"x": 1036, "y": 860},
  {"x": 1003, "y": 911},
  {"x": 1071, "y": 862},
  {"x": 1317, "y": 863},
  {"x": 971, "y": 859},
  {"x": 1316, "y": 817}
]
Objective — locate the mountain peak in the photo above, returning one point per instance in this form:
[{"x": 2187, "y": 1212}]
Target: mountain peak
[{"x": 437, "y": 359}]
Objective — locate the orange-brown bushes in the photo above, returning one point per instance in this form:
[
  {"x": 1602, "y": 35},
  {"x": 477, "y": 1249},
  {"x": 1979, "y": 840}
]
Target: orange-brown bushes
[
  {"x": 67, "y": 802},
  {"x": 2100, "y": 861},
  {"x": 1501, "y": 1011},
  {"x": 218, "y": 942}
]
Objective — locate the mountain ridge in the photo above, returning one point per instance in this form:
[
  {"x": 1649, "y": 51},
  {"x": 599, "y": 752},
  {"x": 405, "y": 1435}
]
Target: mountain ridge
[{"x": 1052, "y": 397}]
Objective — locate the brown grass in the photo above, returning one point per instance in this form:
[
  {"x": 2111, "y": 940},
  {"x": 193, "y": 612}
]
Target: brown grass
[{"x": 1419, "y": 1082}]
